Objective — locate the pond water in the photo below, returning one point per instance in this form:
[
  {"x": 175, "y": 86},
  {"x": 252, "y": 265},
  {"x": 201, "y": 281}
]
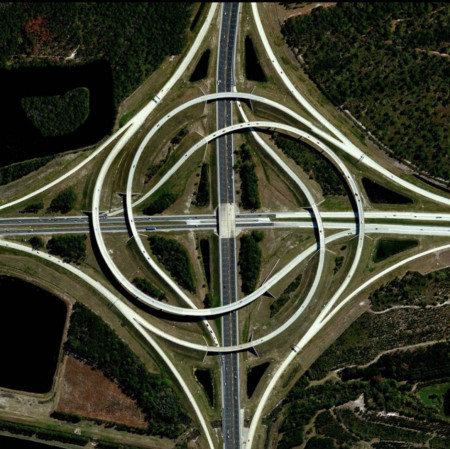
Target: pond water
[
  {"x": 386, "y": 248},
  {"x": 20, "y": 140},
  {"x": 31, "y": 327},
  {"x": 254, "y": 375},
  {"x": 18, "y": 443},
  {"x": 378, "y": 194},
  {"x": 253, "y": 70},
  {"x": 204, "y": 377},
  {"x": 204, "y": 247},
  {"x": 201, "y": 69}
]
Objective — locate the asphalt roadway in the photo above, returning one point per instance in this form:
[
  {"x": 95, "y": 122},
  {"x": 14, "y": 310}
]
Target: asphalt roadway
[{"x": 231, "y": 426}]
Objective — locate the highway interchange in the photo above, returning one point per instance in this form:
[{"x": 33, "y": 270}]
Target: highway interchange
[{"x": 227, "y": 222}]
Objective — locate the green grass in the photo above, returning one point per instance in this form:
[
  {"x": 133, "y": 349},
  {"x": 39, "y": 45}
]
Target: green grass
[{"x": 432, "y": 396}]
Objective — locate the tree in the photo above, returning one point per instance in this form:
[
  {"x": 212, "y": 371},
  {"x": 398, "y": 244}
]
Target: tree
[
  {"x": 65, "y": 201},
  {"x": 36, "y": 242}
]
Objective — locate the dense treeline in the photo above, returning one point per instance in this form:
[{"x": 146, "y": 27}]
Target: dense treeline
[
  {"x": 383, "y": 62},
  {"x": 249, "y": 186},
  {"x": 412, "y": 288},
  {"x": 160, "y": 203},
  {"x": 432, "y": 362},
  {"x": 203, "y": 194},
  {"x": 373, "y": 333},
  {"x": 65, "y": 201},
  {"x": 58, "y": 114},
  {"x": 175, "y": 258},
  {"x": 148, "y": 288},
  {"x": 277, "y": 305},
  {"x": 42, "y": 434},
  {"x": 379, "y": 383},
  {"x": 133, "y": 37},
  {"x": 72, "y": 248},
  {"x": 16, "y": 171},
  {"x": 250, "y": 260},
  {"x": 92, "y": 340},
  {"x": 315, "y": 165}
]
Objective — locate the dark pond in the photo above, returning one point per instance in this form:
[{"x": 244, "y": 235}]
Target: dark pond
[
  {"x": 253, "y": 70},
  {"x": 432, "y": 184},
  {"x": 204, "y": 377},
  {"x": 254, "y": 375},
  {"x": 31, "y": 327},
  {"x": 386, "y": 248},
  {"x": 197, "y": 16},
  {"x": 204, "y": 247},
  {"x": 379, "y": 194},
  {"x": 20, "y": 140},
  {"x": 201, "y": 68},
  {"x": 17, "y": 443}
]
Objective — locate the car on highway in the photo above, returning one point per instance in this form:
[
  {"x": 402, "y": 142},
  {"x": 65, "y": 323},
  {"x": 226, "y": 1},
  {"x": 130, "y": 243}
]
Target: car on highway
[{"x": 150, "y": 228}]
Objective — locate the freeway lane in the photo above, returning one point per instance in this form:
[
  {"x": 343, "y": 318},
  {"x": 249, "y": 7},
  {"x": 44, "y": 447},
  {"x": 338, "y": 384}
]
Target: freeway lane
[
  {"x": 244, "y": 217},
  {"x": 230, "y": 377}
]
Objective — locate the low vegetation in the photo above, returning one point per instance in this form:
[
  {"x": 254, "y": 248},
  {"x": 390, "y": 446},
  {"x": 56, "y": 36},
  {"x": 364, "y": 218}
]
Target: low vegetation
[
  {"x": 179, "y": 136},
  {"x": 65, "y": 201},
  {"x": 315, "y": 165},
  {"x": 413, "y": 289},
  {"x": 16, "y": 171},
  {"x": 160, "y": 203},
  {"x": 249, "y": 186},
  {"x": 278, "y": 304},
  {"x": 58, "y": 115},
  {"x": 93, "y": 341},
  {"x": 250, "y": 260},
  {"x": 148, "y": 288},
  {"x": 33, "y": 208},
  {"x": 175, "y": 258},
  {"x": 71, "y": 248},
  {"x": 388, "y": 64}
]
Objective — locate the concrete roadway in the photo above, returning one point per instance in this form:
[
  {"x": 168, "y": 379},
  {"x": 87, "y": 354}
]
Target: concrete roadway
[
  {"x": 230, "y": 375},
  {"x": 242, "y": 217}
]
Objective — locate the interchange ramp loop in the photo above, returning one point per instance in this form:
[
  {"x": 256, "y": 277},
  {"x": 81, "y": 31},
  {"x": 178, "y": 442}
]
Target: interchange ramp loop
[{"x": 228, "y": 308}]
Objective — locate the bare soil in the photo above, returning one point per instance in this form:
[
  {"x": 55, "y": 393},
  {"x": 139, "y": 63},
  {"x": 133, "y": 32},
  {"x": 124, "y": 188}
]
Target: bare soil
[{"x": 87, "y": 392}]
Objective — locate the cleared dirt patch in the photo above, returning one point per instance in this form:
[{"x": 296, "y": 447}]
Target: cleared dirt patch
[{"x": 86, "y": 392}]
